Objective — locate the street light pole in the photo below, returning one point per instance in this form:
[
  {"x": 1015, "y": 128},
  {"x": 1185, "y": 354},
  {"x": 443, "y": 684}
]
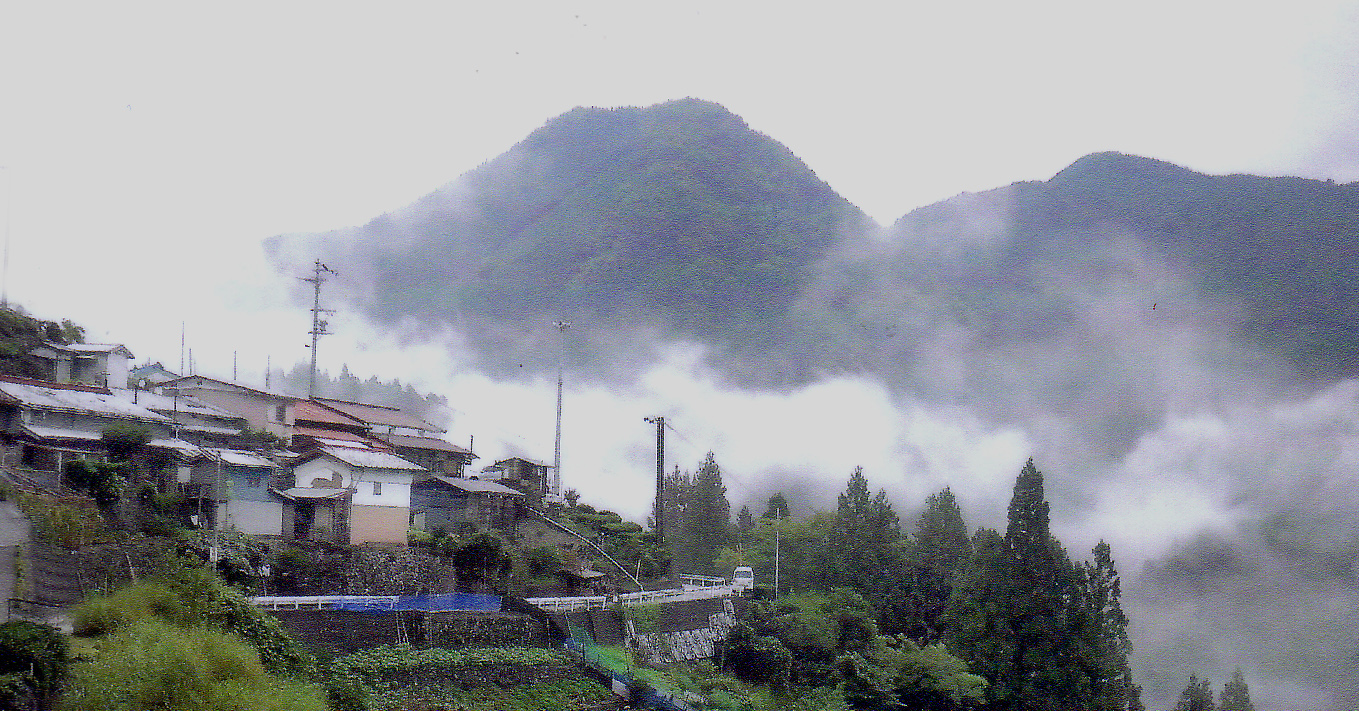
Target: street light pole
[{"x": 9, "y": 202}]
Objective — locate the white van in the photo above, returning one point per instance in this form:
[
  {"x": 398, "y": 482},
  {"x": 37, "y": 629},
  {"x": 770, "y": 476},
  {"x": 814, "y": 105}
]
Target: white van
[{"x": 742, "y": 579}]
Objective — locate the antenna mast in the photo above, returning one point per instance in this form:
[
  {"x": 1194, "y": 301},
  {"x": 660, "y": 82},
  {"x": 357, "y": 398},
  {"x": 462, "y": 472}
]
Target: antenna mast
[
  {"x": 318, "y": 326},
  {"x": 660, "y": 477},
  {"x": 557, "y": 451}
]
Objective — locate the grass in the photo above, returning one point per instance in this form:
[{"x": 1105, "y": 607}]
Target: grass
[{"x": 150, "y": 664}]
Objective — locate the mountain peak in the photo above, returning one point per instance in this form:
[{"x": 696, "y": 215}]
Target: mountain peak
[{"x": 1112, "y": 165}]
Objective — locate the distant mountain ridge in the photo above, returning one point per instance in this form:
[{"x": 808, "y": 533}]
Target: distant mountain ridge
[
  {"x": 681, "y": 218},
  {"x": 1286, "y": 248}
]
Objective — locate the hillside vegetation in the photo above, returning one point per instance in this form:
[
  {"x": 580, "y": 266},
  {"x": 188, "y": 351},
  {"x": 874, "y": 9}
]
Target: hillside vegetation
[{"x": 675, "y": 215}]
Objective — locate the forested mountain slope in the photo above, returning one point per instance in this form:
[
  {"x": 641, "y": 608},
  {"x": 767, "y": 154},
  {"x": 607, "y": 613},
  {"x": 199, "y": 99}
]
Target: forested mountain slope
[{"x": 677, "y": 216}]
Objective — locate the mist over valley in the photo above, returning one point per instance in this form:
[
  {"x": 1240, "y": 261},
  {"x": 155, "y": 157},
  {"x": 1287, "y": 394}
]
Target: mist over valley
[{"x": 1176, "y": 351}]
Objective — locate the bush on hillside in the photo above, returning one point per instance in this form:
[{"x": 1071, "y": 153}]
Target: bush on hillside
[
  {"x": 34, "y": 660},
  {"x": 153, "y": 665},
  {"x": 191, "y": 597}
]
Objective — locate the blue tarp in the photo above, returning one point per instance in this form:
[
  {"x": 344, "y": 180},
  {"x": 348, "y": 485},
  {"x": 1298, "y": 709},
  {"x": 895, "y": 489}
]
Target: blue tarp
[{"x": 442, "y": 602}]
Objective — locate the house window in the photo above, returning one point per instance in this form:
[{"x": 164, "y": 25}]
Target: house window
[
  {"x": 280, "y": 413},
  {"x": 377, "y": 488},
  {"x": 252, "y": 480}
]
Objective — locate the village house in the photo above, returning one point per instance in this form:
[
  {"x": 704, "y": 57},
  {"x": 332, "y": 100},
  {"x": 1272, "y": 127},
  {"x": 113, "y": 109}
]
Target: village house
[
  {"x": 191, "y": 419},
  {"x": 262, "y": 411},
  {"x": 523, "y": 474},
  {"x": 234, "y": 490},
  {"x": 101, "y": 364},
  {"x": 45, "y": 424},
  {"x": 149, "y": 375},
  {"x": 409, "y": 436},
  {"x": 457, "y": 505},
  {"x": 381, "y": 419},
  {"x": 437, "y": 455},
  {"x": 350, "y": 495},
  {"x": 315, "y": 425}
]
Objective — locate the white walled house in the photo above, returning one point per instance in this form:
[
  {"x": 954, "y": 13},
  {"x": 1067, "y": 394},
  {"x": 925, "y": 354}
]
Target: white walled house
[
  {"x": 101, "y": 364},
  {"x": 350, "y": 494}
]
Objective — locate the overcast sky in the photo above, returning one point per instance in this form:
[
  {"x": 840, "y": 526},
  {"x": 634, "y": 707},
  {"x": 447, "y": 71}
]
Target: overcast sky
[{"x": 149, "y": 148}]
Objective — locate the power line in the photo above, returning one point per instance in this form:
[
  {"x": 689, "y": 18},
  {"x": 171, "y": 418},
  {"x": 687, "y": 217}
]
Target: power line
[{"x": 703, "y": 451}]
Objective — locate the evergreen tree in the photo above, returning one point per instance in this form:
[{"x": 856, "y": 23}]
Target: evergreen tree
[
  {"x": 1235, "y": 695},
  {"x": 708, "y": 517},
  {"x": 1045, "y": 633},
  {"x": 675, "y": 498},
  {"x": 698, "y": 517},
  {"x": 1039, "y": 671},
  {"x": 1198, "y": 696},
  {"x": 975, "y": 625},
  {"x": 1107, "y": 646},
  {"x": 744, "y": 520},
  {"x": 776, "y": 508},
  {"x": 932, "y": 562},
  {"x": 864, "y": 542}
]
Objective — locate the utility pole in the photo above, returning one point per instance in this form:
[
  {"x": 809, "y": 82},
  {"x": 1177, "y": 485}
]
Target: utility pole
[
  {"x": 660, "y": 477},
  {"x": 318, "y": 327},
  {"x": 557, "y": 451}
]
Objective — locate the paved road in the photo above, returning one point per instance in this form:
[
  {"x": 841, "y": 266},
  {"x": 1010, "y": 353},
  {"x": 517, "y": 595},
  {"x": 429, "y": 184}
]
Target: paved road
[{"x": 14, "y": 533}]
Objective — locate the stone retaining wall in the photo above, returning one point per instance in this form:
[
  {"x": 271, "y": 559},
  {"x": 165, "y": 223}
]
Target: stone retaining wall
[{"x": 339, "y": 632}]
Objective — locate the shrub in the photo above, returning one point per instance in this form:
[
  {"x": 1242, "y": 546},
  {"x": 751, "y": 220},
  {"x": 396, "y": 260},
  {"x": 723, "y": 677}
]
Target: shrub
[
  {"x": 191, "y": 597},
  {"x": 150, "y": 664},
  {"x": 758, "y": 659},
  {"x": 348, "y": 695},
  {"x": 646, "y": 619},
  {"x": 105, "y": 481},
  {"x": 66, "y": 523},
  {"x": 416, "y": 537},
  {"x": 129, "y": 604},
  {"x": 33, "y": 655}
]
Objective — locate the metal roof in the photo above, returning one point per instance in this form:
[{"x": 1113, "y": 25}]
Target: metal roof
[
  {"x": 166, "y": 403},
  {"x": 61, "y": 433},
  {"x": 533, "y": 462},
  {"x": 88, "y": 347},
  {"x": 309, "y": 411},
  {"x": 237, "y": 457},
  {"x": 186, "y": 448},
  {"x": 425, "y": 443},
  {"x": 81, "y": 401},
  {"x": 474, "y": 485},
  {"x": 184, "y": 382},
  {"x": 338, "y": 438},
  {"x": 378, "y": 414},
  {"x": 370, "y": 458},
  {"x": 301, "y": 493}
]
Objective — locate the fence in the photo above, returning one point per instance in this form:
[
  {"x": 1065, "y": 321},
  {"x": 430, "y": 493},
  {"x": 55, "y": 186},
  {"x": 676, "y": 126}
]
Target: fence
[
  {"x": 443, "y": 602},
  {"x": 650, "y": 597},
  {"x": 615, "y": 665}
]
